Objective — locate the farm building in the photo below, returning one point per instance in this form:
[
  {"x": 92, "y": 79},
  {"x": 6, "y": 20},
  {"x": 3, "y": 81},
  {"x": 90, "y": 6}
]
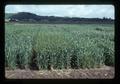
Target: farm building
[
  {"x": 13, "y": 20},
  {"x": 7, "y": 20}
]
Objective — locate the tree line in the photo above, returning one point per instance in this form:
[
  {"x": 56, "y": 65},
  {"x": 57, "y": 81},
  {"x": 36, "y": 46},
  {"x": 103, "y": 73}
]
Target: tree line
[{"x": 30, "y": 17}]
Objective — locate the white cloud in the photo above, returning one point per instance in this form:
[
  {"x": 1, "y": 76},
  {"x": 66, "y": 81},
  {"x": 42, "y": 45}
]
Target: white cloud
[{"x": 88, "y": 11}]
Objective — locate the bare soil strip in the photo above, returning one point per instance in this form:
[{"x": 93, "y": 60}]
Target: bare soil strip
[{"x": 96, "y": 73}]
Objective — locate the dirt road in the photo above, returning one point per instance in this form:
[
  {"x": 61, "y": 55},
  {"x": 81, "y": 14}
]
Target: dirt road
[{"x": 96, "y": 73}]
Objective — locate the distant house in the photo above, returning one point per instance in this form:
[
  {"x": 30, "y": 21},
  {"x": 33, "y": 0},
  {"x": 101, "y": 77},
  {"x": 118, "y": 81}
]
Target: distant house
[
  {"x": 13, "y": 20},
  {"x": 7, "y": 20}
]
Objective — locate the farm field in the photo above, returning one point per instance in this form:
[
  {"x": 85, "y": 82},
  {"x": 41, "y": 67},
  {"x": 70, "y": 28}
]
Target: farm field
[{"x": 58, "y": 46}]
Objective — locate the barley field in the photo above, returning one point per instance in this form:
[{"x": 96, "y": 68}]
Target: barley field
[{"x": 58, "y": 46}]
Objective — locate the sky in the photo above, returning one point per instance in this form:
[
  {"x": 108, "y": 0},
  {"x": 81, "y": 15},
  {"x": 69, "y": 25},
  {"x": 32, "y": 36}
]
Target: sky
[{"x": 82, "y": 11}]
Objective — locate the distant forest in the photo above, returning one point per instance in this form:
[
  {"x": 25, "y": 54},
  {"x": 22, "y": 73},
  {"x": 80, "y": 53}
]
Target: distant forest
[{"x": 33, "y": 18}]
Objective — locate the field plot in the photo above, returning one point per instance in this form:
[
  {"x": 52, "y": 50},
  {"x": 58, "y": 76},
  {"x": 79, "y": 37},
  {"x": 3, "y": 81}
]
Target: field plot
[{"x": 58, "y": 46}]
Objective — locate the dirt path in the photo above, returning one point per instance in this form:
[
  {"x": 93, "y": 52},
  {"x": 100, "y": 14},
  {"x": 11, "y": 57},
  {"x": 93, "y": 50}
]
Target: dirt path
[{"x": 97, "y": 73}]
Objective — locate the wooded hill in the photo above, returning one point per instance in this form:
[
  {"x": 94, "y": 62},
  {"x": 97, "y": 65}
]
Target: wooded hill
[{"x": 30, "y": 17}]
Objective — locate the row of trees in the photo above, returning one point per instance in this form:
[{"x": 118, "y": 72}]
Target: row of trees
[{"x": 30, "y": 17}]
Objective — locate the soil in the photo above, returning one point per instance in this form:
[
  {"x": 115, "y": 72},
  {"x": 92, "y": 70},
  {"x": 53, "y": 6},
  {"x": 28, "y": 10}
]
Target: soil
[{"x": 96, "y": 73}]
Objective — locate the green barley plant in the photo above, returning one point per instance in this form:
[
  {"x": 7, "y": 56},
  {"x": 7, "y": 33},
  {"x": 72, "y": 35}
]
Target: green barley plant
[{"x": 63, "y": 46}]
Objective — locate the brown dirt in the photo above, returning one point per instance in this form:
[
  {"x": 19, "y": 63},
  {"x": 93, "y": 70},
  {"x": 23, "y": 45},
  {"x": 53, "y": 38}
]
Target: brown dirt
[{"x": 96, "y": 73}]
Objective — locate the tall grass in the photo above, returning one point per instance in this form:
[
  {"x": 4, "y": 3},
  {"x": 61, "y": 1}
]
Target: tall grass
[{"x": 60, "y": 46}]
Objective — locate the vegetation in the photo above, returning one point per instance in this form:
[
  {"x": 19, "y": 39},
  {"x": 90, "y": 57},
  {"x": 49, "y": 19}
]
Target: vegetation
[
  {"x": 30, "y": 17},
  {"x": 58, "y": 46},
  {"x": 8, "y": 15}
]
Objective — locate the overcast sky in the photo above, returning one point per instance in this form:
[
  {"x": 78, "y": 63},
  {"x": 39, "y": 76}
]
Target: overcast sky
[{"x": 86, "y": 11}]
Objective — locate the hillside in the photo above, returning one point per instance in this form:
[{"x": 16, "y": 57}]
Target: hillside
[
  {"x": 30, "y": 17},
  {"x": 7, "y": 15}
]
